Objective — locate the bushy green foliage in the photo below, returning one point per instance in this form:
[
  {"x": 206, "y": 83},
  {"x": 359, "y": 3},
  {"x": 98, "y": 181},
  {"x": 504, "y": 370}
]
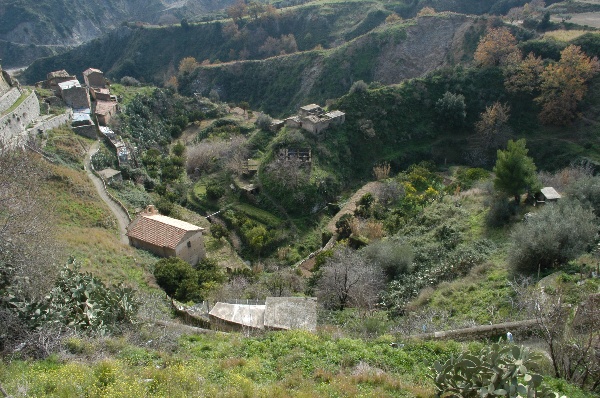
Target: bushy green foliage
[
  {"x": 495, "y": 371},
  {"x": 468, "y": 177},
  {"x": 393, "y": 257},
  {"x": 79, "y": 300},
  {"x": 587, "y": 191},
  {"x": 152, "y": 120},
  {"x": 451, "y": 109},
  {"x": 500, "y": 211},
  {"x": 183, "y": 282},
  {"x": 263, "y": 121},
  {"x": 438, "y": 237},
  {"x": 104, "y": 158},
  {"x": 552, "y": 236}
]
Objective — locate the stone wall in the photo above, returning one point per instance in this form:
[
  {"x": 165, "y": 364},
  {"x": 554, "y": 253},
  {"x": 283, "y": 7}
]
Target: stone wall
[
  {"x": 291, "y": 313},
  {"x": 4, "y": 85},
  {"x": 13, "y": 126},
  {"x": 90, "y": 131},
  {"x": 49, "y": 124},
  {"x": 9, "y": 98}
]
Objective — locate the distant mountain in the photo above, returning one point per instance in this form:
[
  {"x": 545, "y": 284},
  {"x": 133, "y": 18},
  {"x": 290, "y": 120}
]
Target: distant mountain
[{"x": 30, "y": 29}]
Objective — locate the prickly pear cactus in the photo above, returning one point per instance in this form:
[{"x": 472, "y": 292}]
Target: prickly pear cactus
[{"x": 493, "y": 372}]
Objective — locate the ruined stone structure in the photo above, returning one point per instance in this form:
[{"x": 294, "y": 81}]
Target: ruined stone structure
[
  {"x": 314, "y": 119},
  {"x": 104, "y": 111},
  {"x": 56, "y": 77},
  {"x": 304, "y": 155},
  {"x": 123, "y": 153},
  {"x": 102, "y": 94},
  {"x": 83, "y": 125},
  {"x": 166, "y": 236},
  {"x": 94, "y": 78}
]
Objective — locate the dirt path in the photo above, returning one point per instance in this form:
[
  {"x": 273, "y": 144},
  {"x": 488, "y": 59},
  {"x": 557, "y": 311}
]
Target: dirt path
[
  {"x": 122, "y": 218},
  {"x": 351, "y": 204},
  {"x": 308, "y": 263}
]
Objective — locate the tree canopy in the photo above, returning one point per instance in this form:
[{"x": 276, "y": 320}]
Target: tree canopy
[{"x": 515, "y": 171}]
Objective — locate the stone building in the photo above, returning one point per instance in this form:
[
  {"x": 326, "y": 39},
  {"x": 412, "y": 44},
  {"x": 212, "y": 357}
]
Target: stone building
[
  {"x": 102, "y": 94},
  {"x": 74, "y": 95},
  {"x": 104, "y": 111},
  {"x": 56, "y": 77},
  {"x": 94, "y": 78},
  {"x": 166, "y": 236},
  {"x": 314, "y": 119}
]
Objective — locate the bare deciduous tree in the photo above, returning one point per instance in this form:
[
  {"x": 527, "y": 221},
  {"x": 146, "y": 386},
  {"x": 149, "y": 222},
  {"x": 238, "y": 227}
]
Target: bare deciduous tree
[
  {"x": 209, "y": 155},
  {"x": 348, "y": 280},
  {"x": 570, "y": 333},
  {"x": 289, "y": 173}
]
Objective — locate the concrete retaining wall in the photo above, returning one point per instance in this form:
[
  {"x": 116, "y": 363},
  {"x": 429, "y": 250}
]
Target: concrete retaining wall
[
  {"x": 8, "y": 99},
  {"x": 519, "y": 330},
  {"x": 13, "y": 126}
]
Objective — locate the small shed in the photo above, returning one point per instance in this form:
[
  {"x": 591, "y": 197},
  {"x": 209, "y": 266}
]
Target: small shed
[{"x": 547, "y": 194}]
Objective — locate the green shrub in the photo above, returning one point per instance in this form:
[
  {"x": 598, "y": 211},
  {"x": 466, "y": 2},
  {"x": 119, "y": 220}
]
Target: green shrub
[
  {"x": 178, "y": 279},
  {"x": 500, "y": 211},
  {"x": 468, "y": 177},
  {"x": 552, "y": 236},
  {"x": 395, "y": 258}
]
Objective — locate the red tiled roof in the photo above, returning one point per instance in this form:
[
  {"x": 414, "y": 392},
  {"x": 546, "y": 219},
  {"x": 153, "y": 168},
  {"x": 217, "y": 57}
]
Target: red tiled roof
[{"x": 160, "y": 230}]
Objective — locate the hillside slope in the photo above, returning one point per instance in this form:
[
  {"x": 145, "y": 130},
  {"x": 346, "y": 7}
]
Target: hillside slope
[
  {"x": 31, "y": 29},
  {"x": 388, "y": 54}
]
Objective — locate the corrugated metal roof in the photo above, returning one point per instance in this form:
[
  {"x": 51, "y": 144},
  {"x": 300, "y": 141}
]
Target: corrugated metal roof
[
  {"x": 160, "y": 230},
  {"x": 69, "y": 84}
]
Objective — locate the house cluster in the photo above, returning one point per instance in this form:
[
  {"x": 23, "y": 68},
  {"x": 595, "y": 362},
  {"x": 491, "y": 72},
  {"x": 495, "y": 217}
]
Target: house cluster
[
  {"x": 313, "y": 119},
  {"x": 90, "y": 102}
]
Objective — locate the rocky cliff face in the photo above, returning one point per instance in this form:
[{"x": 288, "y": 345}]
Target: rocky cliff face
[{"x": 33, "y": 28}]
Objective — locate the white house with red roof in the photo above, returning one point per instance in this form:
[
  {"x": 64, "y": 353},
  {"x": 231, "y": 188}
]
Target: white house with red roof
[{"x": 166, "y": 236}]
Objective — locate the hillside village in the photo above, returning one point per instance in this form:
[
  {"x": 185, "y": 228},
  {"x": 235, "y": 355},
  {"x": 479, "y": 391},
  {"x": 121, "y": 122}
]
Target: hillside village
[{"x": 312, "y": 198}]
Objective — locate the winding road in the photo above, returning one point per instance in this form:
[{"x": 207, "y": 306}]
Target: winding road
[{"x": 122, "y": 217}]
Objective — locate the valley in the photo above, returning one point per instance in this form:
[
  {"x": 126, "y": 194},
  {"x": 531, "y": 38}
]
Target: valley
[{"x": 313, "y": 198}]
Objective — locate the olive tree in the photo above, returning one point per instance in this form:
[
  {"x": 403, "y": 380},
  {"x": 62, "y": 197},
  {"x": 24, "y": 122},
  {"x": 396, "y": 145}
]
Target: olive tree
[{"x": 552, "y": 236}]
